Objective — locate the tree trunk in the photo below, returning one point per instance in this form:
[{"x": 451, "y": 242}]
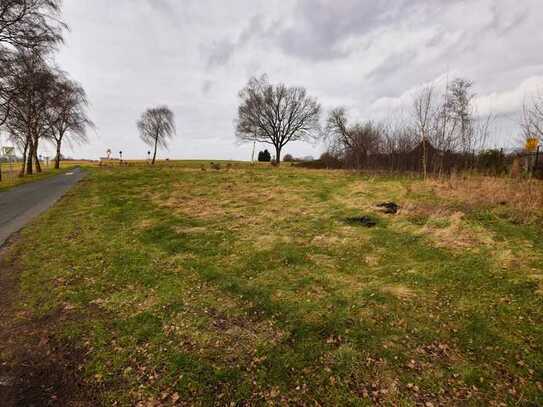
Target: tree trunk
[
  {"x": 424, "y": 159},
  {"x": 277, "y": 155},
  {"x": 29, "y": 169},
  {"x": 154, "y": 154},
  {"x": 22, "y": 172},
  {"x": 36, "y": 159},
  {"x": 57, "y": 158}
]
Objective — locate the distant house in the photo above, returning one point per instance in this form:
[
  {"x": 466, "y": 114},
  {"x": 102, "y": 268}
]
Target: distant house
[
  {"x": 425, "y": 146},
  {"x": 437, "y": 160}
]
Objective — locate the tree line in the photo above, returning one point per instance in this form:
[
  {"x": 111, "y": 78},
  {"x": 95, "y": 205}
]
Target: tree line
[
  {"x": 38, "y": 101},
  {"x": 440, "y": 132}
]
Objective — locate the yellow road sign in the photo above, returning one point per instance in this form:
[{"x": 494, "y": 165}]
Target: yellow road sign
[{"x": 531, "y": 144}]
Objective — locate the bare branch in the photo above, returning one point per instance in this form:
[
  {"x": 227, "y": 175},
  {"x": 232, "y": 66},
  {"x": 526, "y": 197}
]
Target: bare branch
[
  {"x": 276, "y": 115},
  {"x": 156, "y": 127}
]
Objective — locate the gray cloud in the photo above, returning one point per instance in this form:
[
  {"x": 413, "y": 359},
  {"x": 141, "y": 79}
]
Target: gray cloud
[
  {"x": 393, "y": 65},
  {"x": 195, "y": 55},
  {"x": 504, "y": 21},
  {"x": 318, "y": 29},
  {"x": 162, "y": 6},
  {"x": 221, "y": 52},
  {"x": 207, "y": 86}
]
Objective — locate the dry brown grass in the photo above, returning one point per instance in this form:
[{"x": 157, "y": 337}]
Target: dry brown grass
[
  {"x": 457, "y": 234},
  {"x": 523, "y": 197},
  {"x": 400, "y": 291}
]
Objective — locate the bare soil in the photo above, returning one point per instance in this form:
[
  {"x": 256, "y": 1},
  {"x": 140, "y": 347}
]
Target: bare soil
[{"x": 35, "y": 370}]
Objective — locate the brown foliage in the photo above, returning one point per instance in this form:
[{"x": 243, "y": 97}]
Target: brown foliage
[{"x": 523, "y": 198}]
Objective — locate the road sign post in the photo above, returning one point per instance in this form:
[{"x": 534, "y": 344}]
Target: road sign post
[
  {"x": 532, "y": 146},
  {"x": 536, "y": 160}
]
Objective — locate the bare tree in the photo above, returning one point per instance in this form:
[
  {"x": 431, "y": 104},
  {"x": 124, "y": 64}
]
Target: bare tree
[
  {"x": 337, "y": 129},
  {"x": 398, "y": 139},
  {"x": 354, "y": 142},
  {"x": 8, "y": 86},
  {"x": 67, "y": 116},
  {"x": 25, "y": 25},
  {"x": 30, "y": 23},
  {"x": 532, "y": 117},
  {"x": 156, "y": 127},
  {"x": 459, "y": 107},
  {"x": 423, "y": 112},
  {"x": 276, "y": 115},
  {"x": 28, "y": 108}
]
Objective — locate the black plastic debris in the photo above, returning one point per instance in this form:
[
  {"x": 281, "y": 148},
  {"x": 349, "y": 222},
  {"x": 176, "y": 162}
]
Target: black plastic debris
[
  {"x": 388, "y": 207},
  {"x": 362, "y": 220}
]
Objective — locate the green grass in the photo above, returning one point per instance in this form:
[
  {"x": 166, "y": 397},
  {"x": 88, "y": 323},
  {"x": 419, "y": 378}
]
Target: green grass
[{"x": 248, "y": 286}]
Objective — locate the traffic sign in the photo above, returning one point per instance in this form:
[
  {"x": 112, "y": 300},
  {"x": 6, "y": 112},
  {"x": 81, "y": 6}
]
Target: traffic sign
[{"x": 531, "y": 144}]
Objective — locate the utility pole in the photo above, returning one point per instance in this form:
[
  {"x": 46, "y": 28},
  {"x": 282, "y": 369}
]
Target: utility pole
[{"x": 536, "y": 160}]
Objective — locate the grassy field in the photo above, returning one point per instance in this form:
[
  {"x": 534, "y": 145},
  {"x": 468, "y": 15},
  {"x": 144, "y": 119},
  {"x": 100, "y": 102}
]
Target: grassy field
[{"x": 247, "y": 286}]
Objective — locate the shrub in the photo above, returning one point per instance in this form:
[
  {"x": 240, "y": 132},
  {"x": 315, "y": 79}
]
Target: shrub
[
  {"x": 330, "y": 160},
  {"x": 492, "y": 162},
  {"x": 264, "y": 156}
]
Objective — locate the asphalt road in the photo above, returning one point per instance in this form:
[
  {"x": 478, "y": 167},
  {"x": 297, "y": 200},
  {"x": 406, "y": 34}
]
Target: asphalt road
[{"x": 19, "y": 205}]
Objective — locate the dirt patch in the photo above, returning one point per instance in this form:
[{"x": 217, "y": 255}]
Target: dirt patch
[
  {"x": 216, "y": 333},
  {"x": 365, "y": 221},
  {"x": 35, "y": 369},
  {"x": 388, "y": 207}
]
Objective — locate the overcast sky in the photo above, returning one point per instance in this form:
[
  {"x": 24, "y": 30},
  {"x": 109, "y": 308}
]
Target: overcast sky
[{"x": 367, "y": 55}]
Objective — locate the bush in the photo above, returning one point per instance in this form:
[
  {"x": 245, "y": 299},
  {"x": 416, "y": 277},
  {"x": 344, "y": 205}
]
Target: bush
[
  {"x": 326, "y": 160},
  {"x": 330, "y": 160},
  {"x": 492, "y": 162},
  {"x": 288, "y": 158},
  {"x": 264, "y": 156}
]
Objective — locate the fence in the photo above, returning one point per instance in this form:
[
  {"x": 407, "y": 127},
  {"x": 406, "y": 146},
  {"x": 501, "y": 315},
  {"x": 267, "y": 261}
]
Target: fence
[{"x": 10, "y": 170}]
